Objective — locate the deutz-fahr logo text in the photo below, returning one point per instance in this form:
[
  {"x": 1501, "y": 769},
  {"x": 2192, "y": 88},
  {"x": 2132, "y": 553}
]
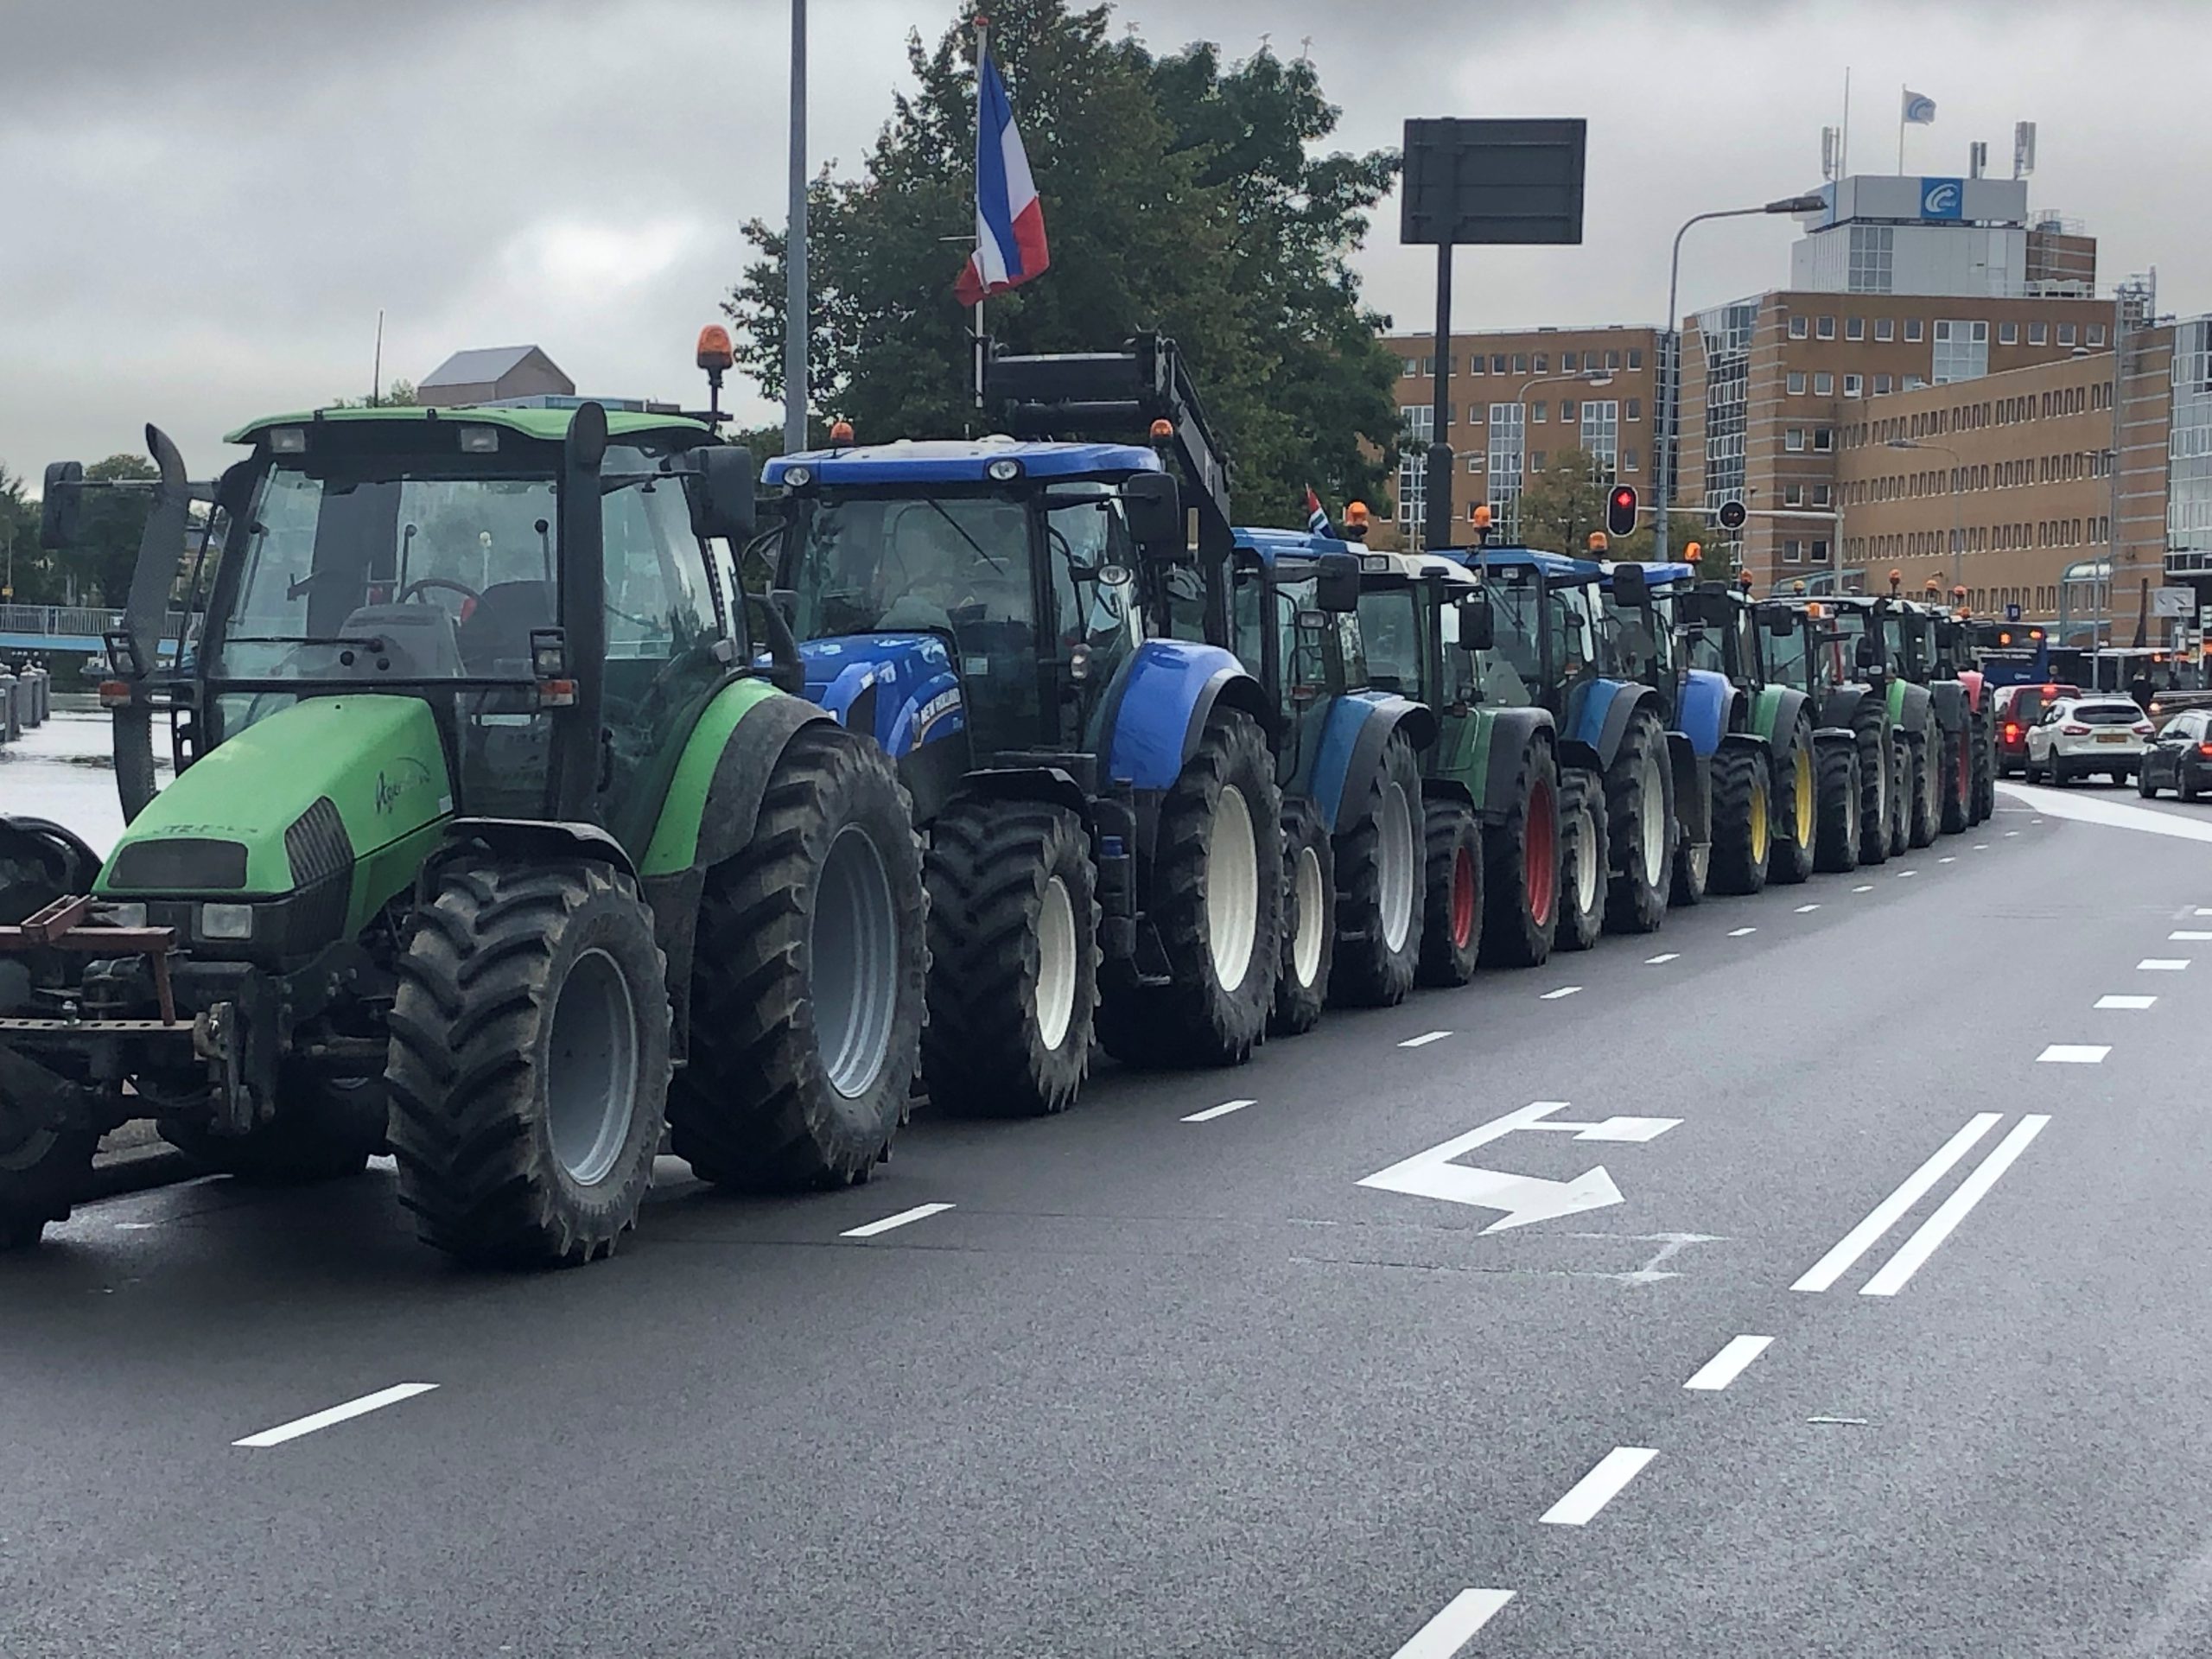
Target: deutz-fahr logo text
[{"x": 405, "y": 775}]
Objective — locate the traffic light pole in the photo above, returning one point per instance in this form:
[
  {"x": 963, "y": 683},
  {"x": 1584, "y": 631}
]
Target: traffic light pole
[{"x": 1436, "y": 516}]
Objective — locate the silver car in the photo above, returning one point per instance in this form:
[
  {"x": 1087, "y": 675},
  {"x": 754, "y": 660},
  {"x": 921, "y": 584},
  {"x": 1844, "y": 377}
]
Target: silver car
[{"x": 2076, "y": 736}]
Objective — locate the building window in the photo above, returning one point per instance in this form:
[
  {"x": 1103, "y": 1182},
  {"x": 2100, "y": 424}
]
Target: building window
[
  {"x": 1570, "y": 362},
  {"x": 1520, "y": 362},
  {"x": 1872, "y": 258},
  {"x": 1498, "y": 364},
  {"x": 1475, "y": 361},
  {"x": 1613, "y": 359},
  {"x": 1801, "y": 327},
  {"x": 1543, "y": 362},
  {"x": 1419, "y": 422},
  {"x": 1881, "y": 385},
  {"x": 2066, "y": 334},
  {"x": 1962, "y": 350},
  {"x": 1796, "y": 382},
  {"x": 2038, "y": 334},
  {"x": 1601, "y": 433},
  {"x": 1536, "y": 413},
  {"x": 1474, "y": 463},
  {"x": 1853, "y": 384},
  {"x": 1536, "y": 461},
  {"x": 1505, "y": 438},
  {"x": 2096, "y": 333},
  {"x": 1567, "y": 408},
  {"x": 1793, "y": 439},
  {"x": 1826, "y": 329},
  {"x": 1823, "y": 384},
  {"x": 2008, "y": 334},
  {"x": 1819, "y": 552},
  {"x": 1793, "y": 551},
  {"x": 1636, "y": 358},
  {"x": 1854, "y": 328},
  {"x": 1822, "y": 495},
  {"x": 1885, "y": 328},
  {"x": 1627, "y": 460},
  {"x": 1915, "y": 331},
  {"x": 1634, "y": 411},
  {"x": 1474, "y": 414},
  {"x": 1824, "y": 437},
  {"x": 1793, "y": 495}
]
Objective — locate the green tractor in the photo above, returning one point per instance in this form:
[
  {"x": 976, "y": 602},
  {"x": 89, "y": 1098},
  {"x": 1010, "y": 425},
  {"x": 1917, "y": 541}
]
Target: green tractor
[
  {"x": 1427, "y": 627},
  {"x": 1833, "y": 649},
  {"x": 488, "y": 842}
]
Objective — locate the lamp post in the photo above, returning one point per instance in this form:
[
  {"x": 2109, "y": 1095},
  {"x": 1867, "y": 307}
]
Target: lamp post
[
  {"x": 795, "y": 299},
  {"x": 1958, "y": 533},
  {"x": 1671, "y": 362}
]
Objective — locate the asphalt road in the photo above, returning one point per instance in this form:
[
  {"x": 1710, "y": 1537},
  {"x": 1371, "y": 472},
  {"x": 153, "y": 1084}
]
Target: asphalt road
[{"x": 1151, "y": 1386}]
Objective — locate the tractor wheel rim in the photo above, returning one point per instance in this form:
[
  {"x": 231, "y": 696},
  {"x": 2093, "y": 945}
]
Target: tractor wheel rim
[
  {"x": 1540, "y": 854},
  {"x": 1055, "y": 964},
  {"x": 1312, "y": 919},
  {"x": 1232, "y": 887},
  {"x": 1463, "y": 899},
  {"x": 1804, "y": 801},
  {"x": 1585, "y": 862},
  {"x": 1758, "y": 826},
  {"x": 591, "y": 1074},
  {"x": 1396, "y": 859},
  {"x": 853, "y": 946},
  {"x": 1651, "y": 820}
]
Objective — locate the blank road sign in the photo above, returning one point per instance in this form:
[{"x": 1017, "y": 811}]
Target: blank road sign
[{"x": 1502, "y": 183}]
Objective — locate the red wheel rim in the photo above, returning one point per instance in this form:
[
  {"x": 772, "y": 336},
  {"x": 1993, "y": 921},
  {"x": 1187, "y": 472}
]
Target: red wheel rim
[
  {"x": 1539, "y": 856},
  {"x": 1463, "y": 899}
]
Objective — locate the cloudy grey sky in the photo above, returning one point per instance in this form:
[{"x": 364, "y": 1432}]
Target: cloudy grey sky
[{"x": 210, "y": 199}]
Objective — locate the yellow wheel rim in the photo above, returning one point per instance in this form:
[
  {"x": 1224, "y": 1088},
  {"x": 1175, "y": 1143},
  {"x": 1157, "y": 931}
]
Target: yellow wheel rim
[
  {"x": 1804, "y": 801},
  {"x": 1758, "y": 826}
]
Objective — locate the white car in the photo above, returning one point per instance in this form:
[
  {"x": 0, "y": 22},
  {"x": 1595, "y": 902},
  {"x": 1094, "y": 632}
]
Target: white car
[{"x": 2076, "y": 736}]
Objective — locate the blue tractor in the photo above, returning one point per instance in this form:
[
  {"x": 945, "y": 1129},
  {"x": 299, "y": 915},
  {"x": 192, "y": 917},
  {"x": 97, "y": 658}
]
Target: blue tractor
[{"x": 1024, "y": 626}]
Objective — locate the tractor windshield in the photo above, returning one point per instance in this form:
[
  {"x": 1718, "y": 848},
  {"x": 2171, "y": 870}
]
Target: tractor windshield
[
  {"x": 1391, "y": 634},
  {"x": 1789, "y": 662},
  {"x": 1301, "y": 654},
  {"x": 1641, "y": 638}
]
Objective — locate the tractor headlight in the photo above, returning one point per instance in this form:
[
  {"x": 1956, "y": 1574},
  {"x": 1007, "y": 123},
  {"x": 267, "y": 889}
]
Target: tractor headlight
[
  {"x": 798, "y": 477},
  {"x": 230, "y": 922},
  {"x": 1004, "y": 470}
]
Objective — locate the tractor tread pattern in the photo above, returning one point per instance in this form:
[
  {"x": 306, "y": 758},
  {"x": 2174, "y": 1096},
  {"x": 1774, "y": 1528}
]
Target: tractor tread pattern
[
  {"x": 1512, "y": 935},
  {"x": 1298, "y": 1008},
  {"x": 1449, "y": 827},
  {"x": 1741, "y": 786},
  {"x": 1581, "y": 812},
  {"x": 1788, "y": 864},
  {"x": 1367, "y": 972},
  {"x": 1837, "y": 801},
  {"x": 1633, "y": 903}
]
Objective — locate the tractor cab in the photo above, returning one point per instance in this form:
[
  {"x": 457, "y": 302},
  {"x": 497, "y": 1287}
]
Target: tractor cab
[{"x": 1548, "y": 626}]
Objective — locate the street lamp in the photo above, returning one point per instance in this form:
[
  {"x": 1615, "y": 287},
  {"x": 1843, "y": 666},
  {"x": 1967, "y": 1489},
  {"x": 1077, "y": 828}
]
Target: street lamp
[
  {"x": 1958, "y": 533},
  {"x": 1671, "y": 376}
]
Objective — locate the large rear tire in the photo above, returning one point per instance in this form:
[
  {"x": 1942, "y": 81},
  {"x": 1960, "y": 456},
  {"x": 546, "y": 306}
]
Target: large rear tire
[
  {"x": 1452, "y": 895},
  {"x": 1901, "y": 795},
  {"x": 1013, "y": 959},
  {"x": 1521, "y": 888},
  {"x": 1926, "y": 796},
  {"x": 326, "y": 1130},
  {"x": 1875, "y": 773},
  {"x": 1582, "y": 858},
  {"x": 41, "y": 1174},
  {"x": 1955, "y": 780},
  {"x": 1217, "y": 901},
  {"x": 1742, "y": 829},
  {"x": 529, "y": 1062},
  {"x": 807, "y": 980},
  {"x": 1379, "y": 912},
  {"x": 1794, "y": 802},
  {"x": 1985, "y": 767},
  {"x": 1639, "y": 828},
  {"x": 1838, "y": 838},
  {"x": 1309, "y": 921}
]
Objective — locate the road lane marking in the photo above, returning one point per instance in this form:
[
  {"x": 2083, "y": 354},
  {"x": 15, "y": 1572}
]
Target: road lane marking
[
  {"x": 920, "y": 1212},
  {"x": 1425, "y": 1039},
  {"x": 2162, "y": 964},
  {"x": 1867, "y": 888},
  {"x": 1947, "y": 859},
  {"x": 1599, "y": 1487},
  {"x": 1937, "y": 1228},
  {"x": 2125, "y": 1001},
  {"x": 2075, "y": 1053},
  {"x": 1981, "y": 846},
  {"x": 2204, "y": 909},
  {"x": 1738, "y": 932},
  {"x": 1222, "y": 1110},
  {"x": 1807, "y": 909},
  {"x": 1902, "y": 874},
  {"x": 1455, "y": 1626},
  {"x": 346, "y": 1413},
  {"x": 1884, "y": 1216},
  {"x": 2192, "y": 934},
  {"x": 1664, "y": 956},
  {"x": 2009, "y": 833},
  {"x": 1729, "y": 1364},
  {"x": 1554, "y": 996}
]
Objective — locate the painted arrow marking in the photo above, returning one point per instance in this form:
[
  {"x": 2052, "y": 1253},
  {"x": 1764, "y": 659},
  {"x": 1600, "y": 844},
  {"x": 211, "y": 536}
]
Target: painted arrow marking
[{"x": 1524, "y": 1198}]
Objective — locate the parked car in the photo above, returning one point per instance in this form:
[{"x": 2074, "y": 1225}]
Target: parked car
[
  {"x": 2179, "y": 758},
  {"x": 2016, "y": 710},
  {"x": 2076, "y": 736}
]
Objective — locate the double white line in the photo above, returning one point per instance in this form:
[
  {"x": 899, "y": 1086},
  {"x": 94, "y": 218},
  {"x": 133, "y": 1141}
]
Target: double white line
[{"x": 1892, "y": 1278}]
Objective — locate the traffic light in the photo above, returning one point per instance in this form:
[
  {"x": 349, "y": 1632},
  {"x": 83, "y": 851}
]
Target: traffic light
[
  {"x": 1733, "y": 515},
  {"x": 1620, "y": 509}
]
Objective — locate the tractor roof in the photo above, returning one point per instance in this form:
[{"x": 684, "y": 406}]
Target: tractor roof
[
  {"x": 960, "y": 461},
  {"x": 551, "y": 424},
  {"x": 1555, "y": 566},
  {"x": 1659, "y": 575},
  {"x": 1274, "y": 544},
  {"x": 1408, "y": 567}
]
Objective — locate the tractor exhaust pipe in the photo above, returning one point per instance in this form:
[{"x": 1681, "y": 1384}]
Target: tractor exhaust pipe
[{"x": 144, "y": 618}]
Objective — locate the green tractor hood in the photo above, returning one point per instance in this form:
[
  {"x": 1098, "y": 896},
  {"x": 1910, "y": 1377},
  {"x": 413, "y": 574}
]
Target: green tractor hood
[{"x": 292, "y": 800}]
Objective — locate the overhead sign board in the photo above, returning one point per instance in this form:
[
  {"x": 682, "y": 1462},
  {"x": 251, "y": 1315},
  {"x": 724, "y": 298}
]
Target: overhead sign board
[
  {"x": 1942, "y": 199},
  {"x": 1503, "y": 182}
]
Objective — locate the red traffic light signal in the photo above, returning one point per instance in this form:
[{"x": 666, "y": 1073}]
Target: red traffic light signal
[{"x": 1620, "y": 511}]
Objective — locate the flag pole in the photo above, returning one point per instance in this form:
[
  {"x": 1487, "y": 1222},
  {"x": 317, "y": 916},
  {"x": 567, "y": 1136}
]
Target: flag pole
[
  {"x": 1904, "y": 93},
  {"x": 982, "y": 48}
]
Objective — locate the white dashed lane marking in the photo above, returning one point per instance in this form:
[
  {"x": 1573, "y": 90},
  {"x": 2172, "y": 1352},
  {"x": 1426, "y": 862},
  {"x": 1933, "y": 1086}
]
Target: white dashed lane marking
[
  {"x": 2162, "y": 964},
  {"x": 1451, "y": 1630},
  {"x": 920, "y": 1212},
  {"x": 1728, "y": 1365},
  {"x": 1663, "y": 957},
  {"x": 1425, "y": 1039},
  {"x": 1222, "y": 1110},
  {"x": 346, "y": 1413},
  {"x": 2075, "y": 1053},
  {"x": 1599, "y": 1487},
  {"x": 2125, "y": 1001},
  {"x": 1738, "y": 932},
  {"x": 1564, "y": 990}
]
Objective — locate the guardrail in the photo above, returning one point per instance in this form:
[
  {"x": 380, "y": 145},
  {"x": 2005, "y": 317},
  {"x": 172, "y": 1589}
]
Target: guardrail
[{"x": 72, "y": 622}]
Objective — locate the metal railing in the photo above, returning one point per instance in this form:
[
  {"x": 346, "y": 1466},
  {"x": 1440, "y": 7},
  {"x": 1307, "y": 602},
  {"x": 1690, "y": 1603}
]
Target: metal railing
[{"x": 77, "y": 621}]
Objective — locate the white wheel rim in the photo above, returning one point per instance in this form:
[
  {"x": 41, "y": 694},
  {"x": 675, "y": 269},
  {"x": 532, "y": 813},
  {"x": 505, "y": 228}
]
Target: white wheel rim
[
  {"x": 1653, "y": 827},
  {"x": 591, "y": 1068},
  {"x": 1305, "y": 948},
  {"x": 1398, "y": 858},
  {"x": 1232, "y": 887},
  {"x": 1055, "y": 964},
  {"x": 1586, "y": 860}
]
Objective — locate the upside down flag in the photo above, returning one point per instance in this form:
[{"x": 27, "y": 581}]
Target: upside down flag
[
  {"x": 1010, "y": 245},
  {"x": 1316, "y": 520}
]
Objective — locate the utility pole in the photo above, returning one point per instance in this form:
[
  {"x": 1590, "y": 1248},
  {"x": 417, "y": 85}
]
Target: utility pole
[{"x": 795, "y": 303}]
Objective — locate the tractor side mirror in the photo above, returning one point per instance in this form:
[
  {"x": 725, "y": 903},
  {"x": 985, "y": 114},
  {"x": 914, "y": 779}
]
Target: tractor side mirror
[
  {"x": 1866, "y": 654},
  {"x": 1337, "y": 589},
  {"x": 1782, "y": 623},
  {"x": 1629, "y": 586},
  {"x": 1477, "y": 623},
  {"x": 1154, "y": 507},
  {"x": 723, "y": 497},
  {"x": 58, "y": 507}
]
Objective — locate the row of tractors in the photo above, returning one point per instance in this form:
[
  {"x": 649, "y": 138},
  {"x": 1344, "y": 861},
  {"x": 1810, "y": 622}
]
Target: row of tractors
[{"x": 551, "y": 791}]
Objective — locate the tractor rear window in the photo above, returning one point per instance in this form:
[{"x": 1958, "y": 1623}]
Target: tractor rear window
[{"x": 2104, "y": 714}]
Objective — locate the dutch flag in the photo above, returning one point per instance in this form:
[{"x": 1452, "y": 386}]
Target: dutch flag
[
  {"x": 1009, "y": 220},
  {"x": 1317, "y": 516}
]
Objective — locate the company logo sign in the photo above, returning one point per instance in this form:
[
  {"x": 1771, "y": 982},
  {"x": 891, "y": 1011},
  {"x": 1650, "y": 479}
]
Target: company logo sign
[{"x": 1942, "y": 198}]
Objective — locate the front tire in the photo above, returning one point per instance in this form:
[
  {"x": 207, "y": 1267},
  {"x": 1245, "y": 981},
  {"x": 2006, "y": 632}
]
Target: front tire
[
  {"x": 1521, "y": 879},
  {"x": 530, "y": 1063},
  {"x": 1452, "y": 895},
  {"x": 1741, "y": 827},
  {"x": 1837, "y": 839},
  {"x": 1013, "y": 959},
  {"x": 1309, "y": 921},
  {"x": 1876, "y": 772},
  {"x": 1794, "y": 784},
  {"x": 1217, "y": 901},
  {"x": 1639, "y": 829},
  {"x": 1985, "y": 765},
  {"x": 1583, "y": 859},
  {"x": 1926, "y": 801},
  {"x": 2144, "y": 787},
  {"x": 1379, "y": 856},
  {"x": 1900, "y": 796},
  {"x": 1956, "y": 781}
]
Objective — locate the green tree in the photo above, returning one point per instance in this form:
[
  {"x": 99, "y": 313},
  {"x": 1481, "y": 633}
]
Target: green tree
[
  {"x": 1177, "y": 197},
  {"x": 400, "y": 394},
  {"x": 110, "y": 526},
  {"x": 1563, "y": 505}
]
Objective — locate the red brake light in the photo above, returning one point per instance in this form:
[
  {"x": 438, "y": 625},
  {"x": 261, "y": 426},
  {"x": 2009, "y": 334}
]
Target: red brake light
[
  {"x": 2012, "y": 732},
  {"x": 2143, "y": 726},
  {"x": 2205, "y": 749}
]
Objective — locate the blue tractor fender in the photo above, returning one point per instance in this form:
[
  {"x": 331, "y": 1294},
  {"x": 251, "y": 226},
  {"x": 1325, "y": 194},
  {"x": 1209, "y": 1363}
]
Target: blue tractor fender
[
  {"x": 898, "y": 689},
  {"x": 1599, "y": 719},
  {"x": 1358, "y": 726},
  {"x": 1156, "y": 708},
  {"x": 1690, "y": 778},
  {"x": 1703, "y": 709},
  {"x": 1512, "y": 732}
]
